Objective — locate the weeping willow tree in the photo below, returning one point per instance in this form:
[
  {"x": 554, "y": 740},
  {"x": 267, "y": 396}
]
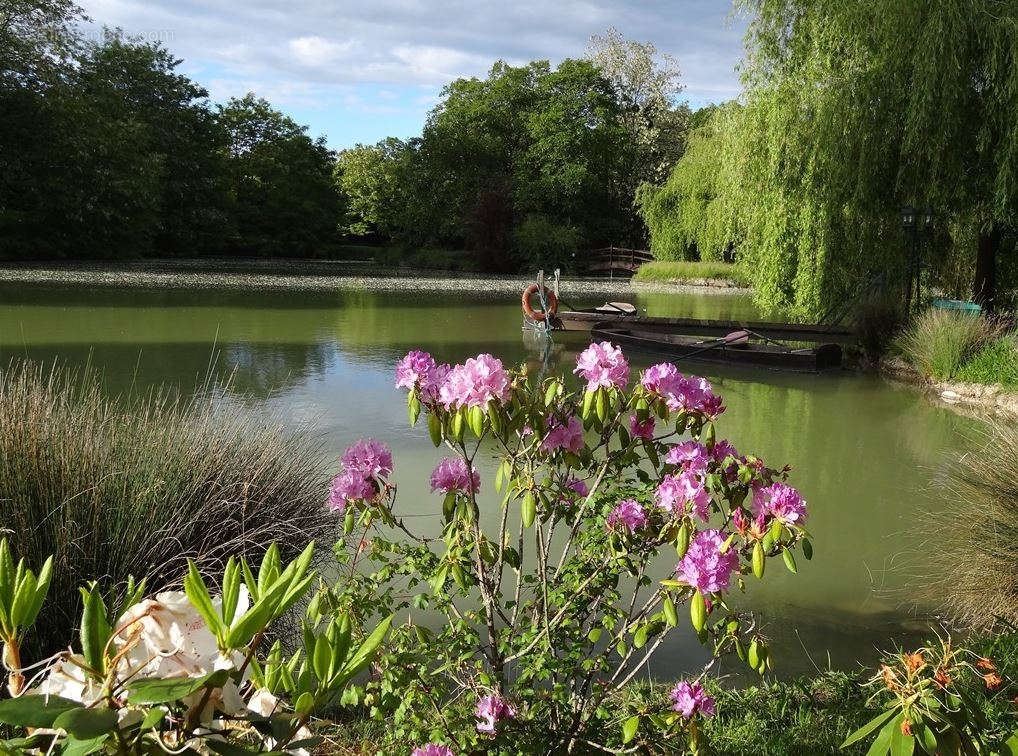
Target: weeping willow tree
[{"x": 853, "y": 108}]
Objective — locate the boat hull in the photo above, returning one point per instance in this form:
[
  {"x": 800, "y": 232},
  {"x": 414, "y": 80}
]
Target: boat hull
[
  {"x": 586, "y": 320},
  {"x": 820, "y": 358}
]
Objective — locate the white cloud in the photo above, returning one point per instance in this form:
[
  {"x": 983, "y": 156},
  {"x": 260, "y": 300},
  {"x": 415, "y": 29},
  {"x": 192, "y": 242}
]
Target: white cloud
[{"x": 318, "y": 51}]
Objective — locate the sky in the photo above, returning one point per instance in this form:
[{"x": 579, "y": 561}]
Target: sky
[{"x": 359, "y": 71}]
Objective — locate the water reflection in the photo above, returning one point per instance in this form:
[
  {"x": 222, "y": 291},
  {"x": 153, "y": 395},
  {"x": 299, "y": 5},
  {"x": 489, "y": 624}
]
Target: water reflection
[{"x": 862, "y": 449}]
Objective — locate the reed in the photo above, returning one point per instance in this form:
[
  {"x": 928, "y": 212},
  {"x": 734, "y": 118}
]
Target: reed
[
  {"x": 974, "y": 533},
  {"x": 938, "y": 342},
  {"x": 136, "y": 485}
]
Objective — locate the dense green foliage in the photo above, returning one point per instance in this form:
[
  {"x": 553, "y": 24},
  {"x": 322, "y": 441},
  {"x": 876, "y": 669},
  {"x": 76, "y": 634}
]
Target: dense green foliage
[
  {"x": 528, "y": 166},
  {"x": 107, "y": 151},
  {"x": 852, "y": 110},
  {"x": 137, "y": 485}
]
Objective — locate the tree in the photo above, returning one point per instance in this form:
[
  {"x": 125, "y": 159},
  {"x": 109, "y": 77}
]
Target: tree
[
  {"x": 285, "y": 200},
  {"x": 646, "y": 84},
  {"x": 368, "y": 176},
  {"x": 135, "y": 84},
  {"x": 38, "y": 40},
  {"x": 855, "y": 108}
]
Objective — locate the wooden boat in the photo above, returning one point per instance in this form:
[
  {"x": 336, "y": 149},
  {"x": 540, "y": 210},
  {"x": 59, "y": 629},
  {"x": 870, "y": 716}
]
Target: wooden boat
[
  {"x": 620, "y": 315},
  {"x": 733, "y": 348}
]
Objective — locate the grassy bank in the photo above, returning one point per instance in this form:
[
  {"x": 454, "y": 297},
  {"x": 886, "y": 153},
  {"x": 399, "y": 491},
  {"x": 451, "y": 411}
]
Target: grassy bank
[
  {"x": 948, "y": 346},
  {"x": 687, "y": 272},
  {"x": 806, "y": 715},
  {"x": 452, "y": 260}
]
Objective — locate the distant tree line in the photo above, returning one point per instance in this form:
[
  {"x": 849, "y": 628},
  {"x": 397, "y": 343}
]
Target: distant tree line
[{"x": 107, "y": 151}]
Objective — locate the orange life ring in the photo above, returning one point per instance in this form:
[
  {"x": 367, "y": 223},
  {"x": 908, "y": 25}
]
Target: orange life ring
[{"x": 549, "y": 297}]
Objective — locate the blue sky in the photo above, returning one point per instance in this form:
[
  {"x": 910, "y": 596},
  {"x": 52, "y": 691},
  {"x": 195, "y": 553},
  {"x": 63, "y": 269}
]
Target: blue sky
[{"x": 361, "y": 71}]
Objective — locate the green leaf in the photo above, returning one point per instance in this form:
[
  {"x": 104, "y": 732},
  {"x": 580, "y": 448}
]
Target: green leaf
[
  {"x": 363, "y": 655},
  {"x": 629, "y": 728},
  {"x": 594, "y": 635},
  {"x": 198, "y": 595},
  {"x": 231, "y": 590},
  {"x": 789, "y": 560},
  {"x": 882, "y": 743},
  {"x": 160, "y": 691},
  {"x": 867, "y": 728},
  {"x": 24, "y": 597},
  {"x": 528, "y": 509},
  {"x": 41, "y": 589},
  {"x": 640, "y": 636},
  {"x": 588, "y": 400},
  {"x": 807, "y": 549},
  {"x": 475, "y": 416},
  {"x": 153, "y": 718},
  {"x": 322, "y": 658},
  {"x": 698, "y": 611},
  {"x": 249, "y": 579},
  {"x": 34, "y": 710},
  {"x": 75, "y": 747},
  {"x": 668, "y": 607},
  {"x": 901, "y": 744},
  {"x": 435, "y": 428},
  {"x": 758, "y": 560},
  {"x": 95, "y": 630},
  {"x": 85, "y": 724}
]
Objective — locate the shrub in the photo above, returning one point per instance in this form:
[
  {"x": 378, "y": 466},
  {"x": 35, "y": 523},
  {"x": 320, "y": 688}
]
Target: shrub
[
  {"x": 976, "y": 530},
  {"x": 136, "y": 485},
  {"x": 524, "y": 621},
  {"x": 183, "y": 671},
  {"x": 996, "y": 362},
  {"x": 939, "y": 341}
]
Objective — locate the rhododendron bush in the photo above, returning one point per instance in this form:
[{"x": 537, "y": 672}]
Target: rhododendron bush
[
  {"x": 181, "y": 672},
  {"x": 526, "y": 614}
]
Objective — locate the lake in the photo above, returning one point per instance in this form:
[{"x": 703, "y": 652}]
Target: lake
[{"x": 864, "y": 452}]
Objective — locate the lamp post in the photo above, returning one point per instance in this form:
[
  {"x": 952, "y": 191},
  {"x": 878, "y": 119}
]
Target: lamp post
[
  {"x": 908, "y": 225},
  {"x": 914, "y": 223}
]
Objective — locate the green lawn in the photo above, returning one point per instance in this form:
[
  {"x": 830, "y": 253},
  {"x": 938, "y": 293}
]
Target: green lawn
[{"x": 679, "y": 271}]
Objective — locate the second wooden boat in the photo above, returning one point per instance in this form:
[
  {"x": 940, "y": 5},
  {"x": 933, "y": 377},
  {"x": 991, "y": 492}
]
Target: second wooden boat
[{"x": 728, "y": 349}]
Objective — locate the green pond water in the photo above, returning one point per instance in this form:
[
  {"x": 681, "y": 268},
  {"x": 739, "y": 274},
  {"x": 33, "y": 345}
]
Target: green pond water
[{"x": 865, "y": 453}]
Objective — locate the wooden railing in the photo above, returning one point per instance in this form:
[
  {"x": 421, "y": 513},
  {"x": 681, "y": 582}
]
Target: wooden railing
[{"x": 615, "y": 260}]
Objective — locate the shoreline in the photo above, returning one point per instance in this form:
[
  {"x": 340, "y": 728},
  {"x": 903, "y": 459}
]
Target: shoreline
[
  {"x": 312, "y": 275},
  {"x": 967, "y": 398}
]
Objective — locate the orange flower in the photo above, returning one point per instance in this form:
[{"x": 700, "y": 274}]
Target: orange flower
[
  {"x": 913, "y": 662},
  {"x": 993, "y": 680},
  {"x": 888, "y": 675},
  {"x": 906, "y": 727},
  {"x": 941, "y": 678},
  {"x": 986, "y": 664}
]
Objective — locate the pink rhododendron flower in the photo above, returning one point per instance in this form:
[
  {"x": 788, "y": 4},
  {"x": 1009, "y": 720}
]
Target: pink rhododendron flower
[
  {"x": 642, "y": 430},
  {"x": 689, "y": 698},
  {"x": 490, "y": 711},
  {"x": 704, "y": 566},
  {"x": 420, "y": 369},
  {"x": 370, "y": 457},
  {"x": 346, "y": 486},
  {"x": 690, "y": 454},
  {"x": 476, "y": 382},
  {"x": 577, "y": 485},
  {"x": 782, "y": 502},
  {"x": 739, "y": 521},
  {"x": 433, "y": 750},
  {"x": 692, "y": 394},
  {"x": 723, "y": 449},
  {"x": 628, "y": 514},
  {"x": 686, "y": 488},
  {"x": 603, "y": 366},
  {"x": 567, "y": 436},
  {"x": 451, "y": 474}
]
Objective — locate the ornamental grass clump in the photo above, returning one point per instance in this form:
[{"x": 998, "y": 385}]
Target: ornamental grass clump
[
  {"x": 939, "y": 341},
  {"x": 136, "y": 485},
  {"x": 522, "y": 624},
  {"x": 975, "y": 530}
]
